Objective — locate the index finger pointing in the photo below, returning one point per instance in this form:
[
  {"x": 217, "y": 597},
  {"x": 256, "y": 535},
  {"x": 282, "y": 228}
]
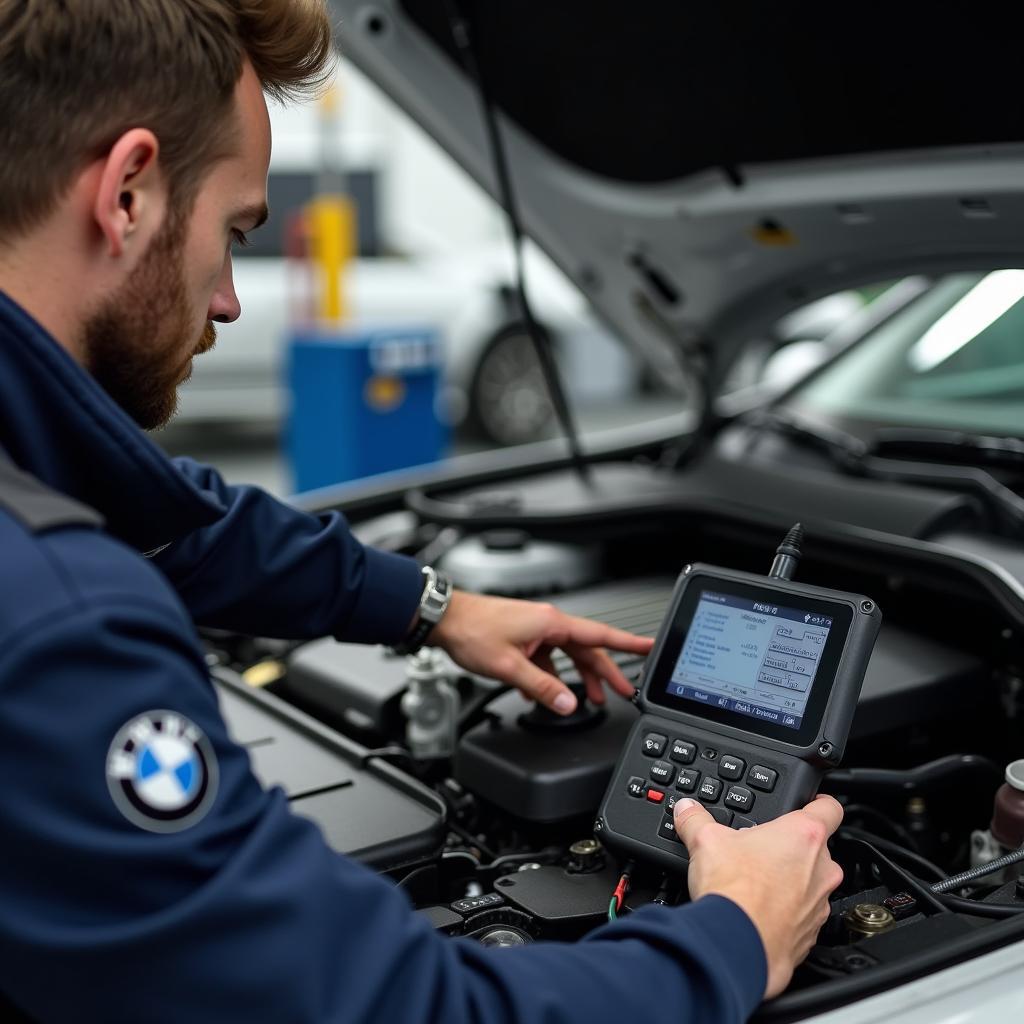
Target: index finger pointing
[{"x": 597, "y": 634}]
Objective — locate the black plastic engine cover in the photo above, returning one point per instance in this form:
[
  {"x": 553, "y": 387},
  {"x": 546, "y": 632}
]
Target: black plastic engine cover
[
  {"x": 556, "y": 898},
  {"x": 349, "y": 684},
  {"x": 366, "y": 808},
  {"x": 542, "y": 777}
]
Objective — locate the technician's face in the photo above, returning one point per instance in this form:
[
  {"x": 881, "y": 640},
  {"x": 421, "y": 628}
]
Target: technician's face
[{"x": 140, "y": 344}]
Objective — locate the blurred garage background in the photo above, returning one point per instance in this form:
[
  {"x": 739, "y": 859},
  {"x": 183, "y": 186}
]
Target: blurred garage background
[{"x": 400, "y": 340}]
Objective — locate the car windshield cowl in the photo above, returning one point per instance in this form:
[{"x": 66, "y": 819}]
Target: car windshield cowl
[
  {"x": 951, "y": 446},
  {"x": 943, "y": 459}
]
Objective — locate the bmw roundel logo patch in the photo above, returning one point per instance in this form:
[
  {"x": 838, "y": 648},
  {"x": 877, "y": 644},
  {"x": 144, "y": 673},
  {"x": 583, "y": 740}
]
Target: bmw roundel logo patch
[{"x": 162, "y": 772}]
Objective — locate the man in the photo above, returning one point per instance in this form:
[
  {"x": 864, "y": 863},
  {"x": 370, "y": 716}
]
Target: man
[{"x": 134, "y": 148}]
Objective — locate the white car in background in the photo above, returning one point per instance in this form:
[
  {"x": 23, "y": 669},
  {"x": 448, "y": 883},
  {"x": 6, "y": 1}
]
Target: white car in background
[{"x": 493, "y": 385}]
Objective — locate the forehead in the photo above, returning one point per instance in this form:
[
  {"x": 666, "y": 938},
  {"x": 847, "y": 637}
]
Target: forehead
[
  {"x": 241, "y": 178},
  {"x": 254, "y": 119}
]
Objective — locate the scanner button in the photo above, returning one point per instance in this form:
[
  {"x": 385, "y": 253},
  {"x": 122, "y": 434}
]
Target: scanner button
[
  {"x": 668, "y": 830},
  {"x": 655, "y": 796},
  {"x": 710, "y": 790},
  {"x": 636, "y": 786},
  {"x": 682, "y": 752},
  {"x": 661, "y": 771},
  {"x": 762, "y": 778},
  {"x": 721, "y": 815},
  {"x": 740, "y": 822},
  {"x": 739, "y": 799},
  {"x": 654, "y": 744},
  {"x": 731, "y": 768},
  {"x": 687, "y": 780}
]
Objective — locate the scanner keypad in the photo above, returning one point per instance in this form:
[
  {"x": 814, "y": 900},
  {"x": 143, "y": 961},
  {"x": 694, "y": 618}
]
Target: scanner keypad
[{"x": 724, "y": 782}]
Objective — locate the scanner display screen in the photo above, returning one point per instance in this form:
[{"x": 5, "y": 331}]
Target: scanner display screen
[
  {"x": 752, "y": 658},
  {"x": 759, "y": 657}
]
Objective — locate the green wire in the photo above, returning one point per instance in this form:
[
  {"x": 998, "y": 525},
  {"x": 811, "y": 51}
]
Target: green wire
[{"x": 611, "y": 910}]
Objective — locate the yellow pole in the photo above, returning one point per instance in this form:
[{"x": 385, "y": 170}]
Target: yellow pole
[
  {"x": 331, "y": 219},
  {"x": 332, "y": 225}
]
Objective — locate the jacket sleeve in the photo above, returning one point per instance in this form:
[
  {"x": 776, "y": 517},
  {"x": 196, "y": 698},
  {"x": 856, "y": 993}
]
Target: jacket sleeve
[
  {"x": 247, "y": 914},
  {"x": 268, "y": 569}
]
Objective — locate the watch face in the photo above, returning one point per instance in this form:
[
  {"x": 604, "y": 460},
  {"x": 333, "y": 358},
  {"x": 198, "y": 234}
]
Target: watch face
[{"x": 436, "y": 595}]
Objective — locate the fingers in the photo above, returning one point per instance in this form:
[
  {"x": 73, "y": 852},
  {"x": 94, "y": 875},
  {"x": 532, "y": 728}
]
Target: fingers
[
  {"x": 590, "y": 678},
  {"x": 827, "y": 810},
  {"x": 691, "y": 821},
  {"x": 597, "y": 662},
  {"x": 542, "y": 659},
  {"x": 539, "y": 685},
  {"x": 567, "y": 629},
  {"x": 593, "y": 667},
  {"x": 595, "y": 688}
]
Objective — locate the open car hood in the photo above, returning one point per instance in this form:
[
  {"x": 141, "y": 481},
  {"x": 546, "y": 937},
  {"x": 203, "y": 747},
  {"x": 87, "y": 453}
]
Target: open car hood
[{"x": 698, "y": 169}]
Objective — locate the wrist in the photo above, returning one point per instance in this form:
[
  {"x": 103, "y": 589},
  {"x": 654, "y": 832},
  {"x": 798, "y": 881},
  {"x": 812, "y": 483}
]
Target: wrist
[
  {"x": 727, "y": 928},
  {"x": 433, "y": 606},
  {"x": 444, "y": 632},
  {"x": 764, "y": 918}
]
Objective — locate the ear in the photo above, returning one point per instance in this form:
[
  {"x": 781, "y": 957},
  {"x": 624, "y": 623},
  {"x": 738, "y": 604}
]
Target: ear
[{"x": 132, "y": 196}]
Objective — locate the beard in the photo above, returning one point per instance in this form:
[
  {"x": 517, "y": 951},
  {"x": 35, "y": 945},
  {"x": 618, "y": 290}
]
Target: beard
[{"x": 137, "y": 345}]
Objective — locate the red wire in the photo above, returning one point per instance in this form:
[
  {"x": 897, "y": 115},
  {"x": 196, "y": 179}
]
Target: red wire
[{"x": 620, "y": 891}]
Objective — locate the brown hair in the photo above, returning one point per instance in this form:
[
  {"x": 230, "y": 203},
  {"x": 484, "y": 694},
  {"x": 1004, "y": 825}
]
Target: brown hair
[{"x": 75, "y": 75}]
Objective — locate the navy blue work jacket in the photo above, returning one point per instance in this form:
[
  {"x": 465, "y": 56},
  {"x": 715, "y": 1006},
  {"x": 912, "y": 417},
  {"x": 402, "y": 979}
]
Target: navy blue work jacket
[{"x": 131, "y": 888}]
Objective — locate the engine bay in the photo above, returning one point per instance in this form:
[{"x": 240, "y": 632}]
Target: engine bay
[{"x": 482, "y": 807}]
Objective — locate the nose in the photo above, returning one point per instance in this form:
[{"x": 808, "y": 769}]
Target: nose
[{"x": 224, "y": 305}]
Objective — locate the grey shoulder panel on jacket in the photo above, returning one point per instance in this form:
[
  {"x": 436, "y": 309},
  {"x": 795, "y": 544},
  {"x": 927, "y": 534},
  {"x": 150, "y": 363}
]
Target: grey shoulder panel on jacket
[{"x": 37, "y": 506}]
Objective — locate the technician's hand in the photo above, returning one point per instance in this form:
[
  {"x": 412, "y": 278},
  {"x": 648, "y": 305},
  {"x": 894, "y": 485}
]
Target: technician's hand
[
  {"x": 780, "y": 873},
  {"x": 512, "y": 641}
]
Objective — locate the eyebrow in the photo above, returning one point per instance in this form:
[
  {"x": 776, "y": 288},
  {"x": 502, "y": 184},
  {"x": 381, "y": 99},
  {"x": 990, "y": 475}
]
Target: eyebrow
[{"x": 258, "y": 214}]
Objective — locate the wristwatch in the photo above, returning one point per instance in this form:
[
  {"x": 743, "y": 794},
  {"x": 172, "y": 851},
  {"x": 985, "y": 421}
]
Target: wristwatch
[{"x": 434, "y": 601}]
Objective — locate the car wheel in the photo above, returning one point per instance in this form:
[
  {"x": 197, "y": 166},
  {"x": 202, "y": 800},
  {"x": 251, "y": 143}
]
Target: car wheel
[{"x": 508, "y": 399}]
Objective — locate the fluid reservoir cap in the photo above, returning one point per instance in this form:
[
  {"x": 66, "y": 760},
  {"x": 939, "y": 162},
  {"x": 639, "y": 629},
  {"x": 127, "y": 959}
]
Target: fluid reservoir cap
[
  {"x": 586, "y": 856},
  {"x": 1015, "y": 774},
  {"x": 1007, "y": 825},
  {"x": 503, "y": 938},
  {"x": 867, "y": 919},
  {"x": 508, "y": 562}
]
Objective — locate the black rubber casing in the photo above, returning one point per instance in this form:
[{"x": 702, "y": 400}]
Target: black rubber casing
[{"x": 631, "y": 825}]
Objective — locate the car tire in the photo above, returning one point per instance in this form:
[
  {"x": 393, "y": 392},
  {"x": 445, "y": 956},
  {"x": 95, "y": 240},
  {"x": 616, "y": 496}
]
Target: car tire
[{"x": 509, "y": 402}]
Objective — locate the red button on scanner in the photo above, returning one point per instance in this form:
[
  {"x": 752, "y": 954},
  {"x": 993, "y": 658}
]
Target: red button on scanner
[{"x": 655, "y": 796}]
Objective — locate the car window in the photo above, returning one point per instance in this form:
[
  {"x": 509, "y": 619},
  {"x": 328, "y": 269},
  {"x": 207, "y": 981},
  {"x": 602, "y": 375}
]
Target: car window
[{"x": 953, "y": 359}]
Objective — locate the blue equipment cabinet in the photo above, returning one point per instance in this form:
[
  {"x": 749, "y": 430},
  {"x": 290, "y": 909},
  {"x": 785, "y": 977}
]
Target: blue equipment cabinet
[{"x": 363, "y": 402}]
